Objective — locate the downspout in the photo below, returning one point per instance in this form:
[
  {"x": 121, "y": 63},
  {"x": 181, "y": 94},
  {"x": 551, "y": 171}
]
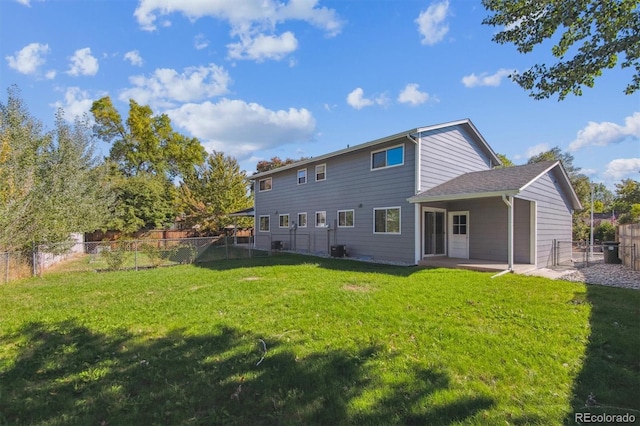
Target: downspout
[
  {"x": 417, "y": 187},
  {"x": 509, "y": 203}
]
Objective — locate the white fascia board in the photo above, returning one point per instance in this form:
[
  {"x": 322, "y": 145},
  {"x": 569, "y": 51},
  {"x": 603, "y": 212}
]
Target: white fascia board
[{"x": 453, "y": 197}]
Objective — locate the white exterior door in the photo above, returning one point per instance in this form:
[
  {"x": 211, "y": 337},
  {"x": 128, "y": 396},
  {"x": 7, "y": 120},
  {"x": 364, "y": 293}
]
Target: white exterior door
[{"x": 459, "y": 234}]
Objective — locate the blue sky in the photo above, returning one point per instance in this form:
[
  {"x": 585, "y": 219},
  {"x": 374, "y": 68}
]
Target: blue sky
[{"x": 292, "y": 78}]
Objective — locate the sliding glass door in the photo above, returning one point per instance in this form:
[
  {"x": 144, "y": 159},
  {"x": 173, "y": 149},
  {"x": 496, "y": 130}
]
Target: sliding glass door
[{"x": 434, "y": 241}]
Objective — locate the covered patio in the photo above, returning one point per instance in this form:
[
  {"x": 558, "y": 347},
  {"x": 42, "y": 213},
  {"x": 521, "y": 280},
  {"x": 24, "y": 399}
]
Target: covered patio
[{"x": 474, "y": 265}]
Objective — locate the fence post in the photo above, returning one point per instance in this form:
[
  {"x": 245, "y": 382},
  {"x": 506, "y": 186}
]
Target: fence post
[
  {"x": 226, "y": 246},
  {"x": 135, "y": 254},
  {"x": 6, "y": 269},
  {"x": 34, "y": 259}
]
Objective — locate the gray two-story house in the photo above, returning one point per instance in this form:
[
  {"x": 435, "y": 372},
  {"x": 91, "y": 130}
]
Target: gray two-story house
[{"x": 425, "y": 193}]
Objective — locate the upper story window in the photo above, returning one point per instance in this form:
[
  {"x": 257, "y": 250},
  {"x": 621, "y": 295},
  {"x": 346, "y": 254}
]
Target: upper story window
[
  {"x": 389, "y": 157},
  {"x": 302, "y": 176},
  {"x": 321, "y": 172},
  {"x": 264, "y": 184}
]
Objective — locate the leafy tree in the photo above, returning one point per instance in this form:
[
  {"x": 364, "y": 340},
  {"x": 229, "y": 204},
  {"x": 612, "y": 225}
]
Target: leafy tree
[
  {"x": 274, "y": 163},
  {"x": 148, "y": 156},
  {"x": 213, "y": 191},
  {"x": 592, "y": 35},
  {"x": 605, "y": 231},
  {"x": 626, "y": 197},
  {"x": 505, "y": 161},
  {"x": 145, "y": 143},
  {"x": 52, "y": 183},
  {"x": 603, "y": 198}
]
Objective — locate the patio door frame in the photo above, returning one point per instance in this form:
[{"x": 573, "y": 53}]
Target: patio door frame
[{"x": 424, "y": 227}]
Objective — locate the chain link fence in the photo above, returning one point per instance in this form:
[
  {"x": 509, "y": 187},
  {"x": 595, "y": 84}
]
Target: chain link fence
[{"x": 117, "y": 255}]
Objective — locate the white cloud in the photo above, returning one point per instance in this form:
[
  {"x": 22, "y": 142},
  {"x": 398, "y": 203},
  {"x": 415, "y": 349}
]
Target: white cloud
[
  {"x": 25, "y": 2},
  {"x": 76, "y": 103},
  {"x": 240, "y": 129},
  {"x": 50, "y": 75},
  {"x": 484, "y": 79},
  {"x": 200, "y": 42},
  {"x": 357, "y": 100},
  {"x": 411, "y": 95},
  {"x": 537, "y": 149},
  {"x": 263, "y": 47},
  {"x": 431, "y": 23},
  {"x": 253, "y": 21},
  {"x": 134, "y": 57},
  {"x": 83, "y": 63},
  {"x": 29, "y": 58},
  {"x": 606, "y": 133},
  {"x": 166, "y": 86},
  {"x": 618, "y": 169}
]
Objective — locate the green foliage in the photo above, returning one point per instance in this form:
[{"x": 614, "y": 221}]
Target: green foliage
[
  {"x": 505, "y": 161},
  {"x": 54, "y": 184},
  {"x": 627, "y": 194},
  {"x": 605, "y": 231},
  {"x": 590, "y": 36},
  {"x": 274, "y": 163},
  {"x": 148, "y": 156},
  {"x": 115, "y": 257},
  {"x": 213, "y": 191}
]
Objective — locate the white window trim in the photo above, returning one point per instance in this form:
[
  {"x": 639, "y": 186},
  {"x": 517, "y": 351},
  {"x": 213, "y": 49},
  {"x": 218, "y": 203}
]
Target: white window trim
[
  {"x": 280, "y": 220},
  {"x": 354, "y": 218},
  {"x": 306, "y": 216},
  {"x": 325, "y": 172},
  {"x": 264, "y": 180},
  {"x": 325, "y": 219},
  {"x": 399, "y": 220},
  {"x": 386, "y": 149},
  {"x": 260, "y": 223},
  {"x": 306, "y": 177}
]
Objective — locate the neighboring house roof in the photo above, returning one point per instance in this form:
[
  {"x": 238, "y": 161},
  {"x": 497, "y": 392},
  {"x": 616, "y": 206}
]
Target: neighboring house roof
[
  {"x": 244, "y": 213},
  {"x": 409, "y": 134},
  {"x": 497, "y": 182}
]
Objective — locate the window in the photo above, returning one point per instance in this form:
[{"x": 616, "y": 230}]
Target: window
[
  {"x": 302, "y": 220},
  {"x": 265, "y": 185},
  {"x": 264, "y": 224},
  {"x": 460, "y": 224},
  {"x": 284, "y": 221},
  {"x": 321, "y": 172},
  {"x": 321, "y": 219},
  {"x": 302, "y": 176},
  {"x": 386, "y": 220},
  {"x": 345, "y": 218},
  {"x": 390, "y": 157}
]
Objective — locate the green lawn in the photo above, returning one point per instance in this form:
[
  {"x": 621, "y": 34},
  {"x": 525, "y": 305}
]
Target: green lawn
[{"x": 346, "y": 343}]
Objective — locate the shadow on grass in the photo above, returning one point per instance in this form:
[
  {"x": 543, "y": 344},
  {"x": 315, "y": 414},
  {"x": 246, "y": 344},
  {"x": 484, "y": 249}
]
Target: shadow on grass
[
  {"x": 611, "y": 367},
  {"x": 285, "y": 259},
  {"x": 65, "y": 373}
]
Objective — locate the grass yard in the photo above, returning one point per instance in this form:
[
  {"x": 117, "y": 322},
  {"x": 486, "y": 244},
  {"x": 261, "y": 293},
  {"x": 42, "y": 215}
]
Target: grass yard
[{"x": 301, "y": 340}]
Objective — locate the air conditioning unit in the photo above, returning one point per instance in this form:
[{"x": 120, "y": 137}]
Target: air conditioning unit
[
  {"x": 338, "y": 251},
  {"x": 277, "y": 245}
]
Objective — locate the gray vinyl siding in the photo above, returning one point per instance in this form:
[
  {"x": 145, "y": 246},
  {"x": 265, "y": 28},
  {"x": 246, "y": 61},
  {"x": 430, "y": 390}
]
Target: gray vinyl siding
[
  {"x": 553, "y": 220},
  {"x": 350, "y": 184},
  {"x": 447, "y": 153}
]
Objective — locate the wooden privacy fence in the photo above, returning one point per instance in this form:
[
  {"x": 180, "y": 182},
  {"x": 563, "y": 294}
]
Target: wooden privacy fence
[{"x": 629, "y": 239}]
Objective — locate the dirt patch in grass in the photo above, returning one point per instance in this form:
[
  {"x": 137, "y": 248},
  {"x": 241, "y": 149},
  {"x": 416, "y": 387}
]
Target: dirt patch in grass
[
  {"x": 251, "y": 279},
  {"x": 357, "y": 288}
]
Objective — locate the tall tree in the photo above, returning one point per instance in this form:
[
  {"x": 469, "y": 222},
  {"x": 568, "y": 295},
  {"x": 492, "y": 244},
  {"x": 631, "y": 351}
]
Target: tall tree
[
  {"x": 592, "y": 35},
  {"x": 213, "y": 191},
  {"x": 149, "y": 156},
  {"x": 52, "y": 183},
  {"x": 626, "y": 203},
  {"x": 274, "y": 163},
  {"x": 505, "y": 161}
]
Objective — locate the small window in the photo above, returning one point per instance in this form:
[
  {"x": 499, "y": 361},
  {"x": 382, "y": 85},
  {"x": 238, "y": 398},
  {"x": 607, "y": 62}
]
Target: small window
[
  {"x": 345, "y": 218},
  {"x": 264, "y": 224},
  {"x": 321, "y": 219},
  {"x": 265, "y": 185},
  {"x": 284, "y": 221},
  {"x": 460, "y": 224},
  {"x": 386, "y": 220},
  {"x": 302, "y": 176},
  {"x": 302, "y": 220},
  {"x": 388, "y": 157},
  {"x": 321, "y": 172}
]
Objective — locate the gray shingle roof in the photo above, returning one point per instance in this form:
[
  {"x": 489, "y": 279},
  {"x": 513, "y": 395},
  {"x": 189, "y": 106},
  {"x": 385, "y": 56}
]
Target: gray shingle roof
[{"x": 489, "y": 181}]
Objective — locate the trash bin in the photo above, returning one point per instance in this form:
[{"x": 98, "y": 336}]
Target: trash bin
[{"x": 611, "y": 252}]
